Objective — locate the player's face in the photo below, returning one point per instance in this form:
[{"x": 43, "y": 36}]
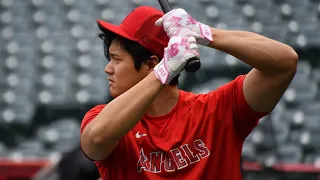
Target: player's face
[{"x": 121, "y": 70}]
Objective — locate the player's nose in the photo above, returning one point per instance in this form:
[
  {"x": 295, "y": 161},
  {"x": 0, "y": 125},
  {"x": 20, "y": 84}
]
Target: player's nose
[{"x": 109, "y": 69}]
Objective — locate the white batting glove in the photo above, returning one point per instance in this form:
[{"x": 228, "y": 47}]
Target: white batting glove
[
  {"x": 178, "y": 22},
  {"x": 176, "y": 55}
]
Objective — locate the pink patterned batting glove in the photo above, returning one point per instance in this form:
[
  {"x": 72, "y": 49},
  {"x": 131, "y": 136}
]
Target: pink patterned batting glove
[
  {"x": 178, "y": 22},
  {"x": 176, "y": 54}
]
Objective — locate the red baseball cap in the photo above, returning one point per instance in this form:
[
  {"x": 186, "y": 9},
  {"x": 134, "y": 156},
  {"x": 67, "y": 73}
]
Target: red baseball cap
[{"x": 139, "y": 26}]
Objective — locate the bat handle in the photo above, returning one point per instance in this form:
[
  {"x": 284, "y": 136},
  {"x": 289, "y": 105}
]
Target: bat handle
[
  {"x": 165, "y": 6},
  {"x": 193, "y": 64}
]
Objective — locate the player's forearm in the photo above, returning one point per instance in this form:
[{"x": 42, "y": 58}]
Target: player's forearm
[
  {"x": 264, "y": 54},
  {"x": 124, "y": 112}
]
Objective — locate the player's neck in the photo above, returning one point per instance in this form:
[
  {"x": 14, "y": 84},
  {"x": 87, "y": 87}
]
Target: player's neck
[{"x": 164, "y": 102}]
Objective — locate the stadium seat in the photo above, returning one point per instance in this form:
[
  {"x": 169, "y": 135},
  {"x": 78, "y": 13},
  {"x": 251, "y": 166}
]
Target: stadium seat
[
  {"x": 249, "y": 11},
  {"x": 14, "y": 64},
  {"x": 293, "y": 28},
  {"x": 233, "y": 62},
  {"x": 303, "y": 71},
  {"x": 231, "y": 20},
  {"x": 77, "y": 31},
  {"x": 311, "y": 109},
  {"x": 267, "y": 159},
  {"x": 7, "y": 32},
  {"x": 311, "y": 34},
  {"x": 37, "y": 3},
  {"x": 69, "y": 2},
  {"x": 67, "y": 128},
  {"x": 54, "y": 91},
  {"x": 263, "y": 140},
  {"x": 27, "y": 150},
  {"x": 212, "y": 12},
  {"x": 6, "y": 17},
  {"x": 6, "y": 4},
  {"x": 101, "y": 2},
  {"x": 86, "y": 61},
  {"x": 301, "y": 91},
  {"x": 312, "y": 158},
  {"x": 3, "y": 150},
  {"x": 316, "y": 75},
  {"x": 248, "y": 151},
  {"x": 47, "y": 136},
  {"x": 289, "y": 153},
  {"x": 211, "y": 59},
  {"x": 83, "y": 46},
  {"x": 39, "y": 17},
  {"x": 281, "y": 131},
  {"x": 61, "y": 132},
  {"x": 286, "y": 11},
  {"x": 310, "y": 140},
  {"x": 261, "y": 3},
  {"x": 306, "y": 116},
  {"x": 68, "y": 134},
  {"x": 19, "y": 113},
  {"x": 96, "y": 94}
]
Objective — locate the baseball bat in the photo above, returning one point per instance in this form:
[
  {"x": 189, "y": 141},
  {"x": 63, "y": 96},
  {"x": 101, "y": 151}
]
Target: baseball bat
[{"x": 193, "y": 64}]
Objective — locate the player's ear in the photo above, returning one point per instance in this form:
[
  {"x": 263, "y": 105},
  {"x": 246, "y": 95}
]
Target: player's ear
[{"x": 152, "y": 62}]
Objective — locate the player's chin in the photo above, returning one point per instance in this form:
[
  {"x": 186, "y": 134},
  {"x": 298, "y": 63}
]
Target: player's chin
[{"x": 114, "y": 92}]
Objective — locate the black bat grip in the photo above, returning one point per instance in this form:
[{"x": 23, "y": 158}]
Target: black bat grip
[
  {"x": 165, "y": 6},
  {"x": 193, "y": 64}
]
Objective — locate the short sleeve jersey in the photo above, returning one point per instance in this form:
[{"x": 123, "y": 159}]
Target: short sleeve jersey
[{"x": 201, "y": 138}]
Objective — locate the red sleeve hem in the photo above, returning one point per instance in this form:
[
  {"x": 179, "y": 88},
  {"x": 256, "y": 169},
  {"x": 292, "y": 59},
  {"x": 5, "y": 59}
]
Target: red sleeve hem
[{"x": 88, "y": 117}]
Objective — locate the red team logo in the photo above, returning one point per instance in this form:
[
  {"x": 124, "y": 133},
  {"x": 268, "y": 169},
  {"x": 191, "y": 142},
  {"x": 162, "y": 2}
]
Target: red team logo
[
  {"x": 175, "y": 21},
  {"x": 173, "y": 50},
  {"x": 175, "y": 159},
  {"x": 184, "y": 42},
  {"x": 191, "y": 20},
  {"x": 175, "y": 24}
]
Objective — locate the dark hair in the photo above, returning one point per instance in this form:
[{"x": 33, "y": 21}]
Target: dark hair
[{"x": 138, "y": 53}]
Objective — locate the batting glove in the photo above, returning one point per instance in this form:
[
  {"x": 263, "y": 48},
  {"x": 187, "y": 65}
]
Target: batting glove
[
  {"x": 178, "y": 22},
  {"x": 175, "y": 57}
]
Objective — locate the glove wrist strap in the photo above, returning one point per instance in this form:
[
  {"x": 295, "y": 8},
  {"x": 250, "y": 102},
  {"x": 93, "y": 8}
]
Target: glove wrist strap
[
  {"x": 161, "y": 72},
  {"x": 206, "y": 33}
]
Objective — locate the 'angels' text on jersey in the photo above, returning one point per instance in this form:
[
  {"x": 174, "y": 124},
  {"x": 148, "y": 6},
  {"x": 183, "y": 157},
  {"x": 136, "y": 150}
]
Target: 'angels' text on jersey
[{"x": 174, "y": 160}]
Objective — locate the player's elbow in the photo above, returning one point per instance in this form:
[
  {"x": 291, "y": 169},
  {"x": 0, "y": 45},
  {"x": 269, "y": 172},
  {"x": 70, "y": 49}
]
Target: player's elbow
[
  {"x": 292, "y": 60},
  {"x": 89, "y": 138},
  {"x": 95, "y": 146}
]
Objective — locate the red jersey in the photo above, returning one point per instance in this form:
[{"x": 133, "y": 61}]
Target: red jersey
[{"x": 201, "y": 138}]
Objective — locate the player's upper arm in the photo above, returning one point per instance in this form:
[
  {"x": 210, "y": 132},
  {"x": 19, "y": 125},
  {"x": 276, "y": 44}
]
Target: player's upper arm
[
  {"x": 94, "y": 151},
  {"x": 244, "y": 118},
  {"x": 262, "y": 91}
]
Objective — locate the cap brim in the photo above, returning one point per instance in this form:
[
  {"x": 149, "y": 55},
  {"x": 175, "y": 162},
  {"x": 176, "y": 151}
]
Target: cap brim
[{"x": 105, "y": 26}]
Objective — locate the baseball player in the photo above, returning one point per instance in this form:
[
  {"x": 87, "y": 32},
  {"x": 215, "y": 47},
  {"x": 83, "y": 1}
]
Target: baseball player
[{"x": 153, "y": 130}]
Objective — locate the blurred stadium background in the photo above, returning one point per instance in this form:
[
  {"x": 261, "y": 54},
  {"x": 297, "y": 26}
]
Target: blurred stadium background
[{"x": 51, "y": 71}]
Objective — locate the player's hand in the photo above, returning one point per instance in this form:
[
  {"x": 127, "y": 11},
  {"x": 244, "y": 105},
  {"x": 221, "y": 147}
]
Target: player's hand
[
  {"x": 175, "y": 57},
  {"x": 178, "y": 22}
]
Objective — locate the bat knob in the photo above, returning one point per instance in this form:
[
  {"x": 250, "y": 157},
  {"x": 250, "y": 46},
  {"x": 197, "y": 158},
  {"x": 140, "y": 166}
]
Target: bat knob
[{"x": 193, "y": 65}]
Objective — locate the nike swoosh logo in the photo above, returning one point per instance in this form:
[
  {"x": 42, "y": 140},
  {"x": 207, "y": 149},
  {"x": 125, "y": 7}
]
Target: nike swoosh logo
[{"x": 138, "y": 135}]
